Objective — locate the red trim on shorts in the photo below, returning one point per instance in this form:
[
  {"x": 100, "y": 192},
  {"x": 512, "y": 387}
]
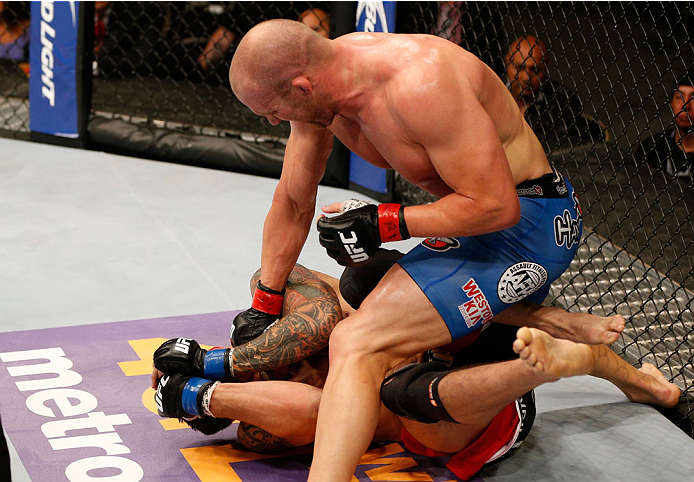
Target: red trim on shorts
[
  {"x": 389, "y": 222},
  {"x": 462, "y": 343},
  {"x": 470, "y": 460}
]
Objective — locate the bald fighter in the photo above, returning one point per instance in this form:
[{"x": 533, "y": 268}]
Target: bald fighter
[{"x": 506, "y": 225}]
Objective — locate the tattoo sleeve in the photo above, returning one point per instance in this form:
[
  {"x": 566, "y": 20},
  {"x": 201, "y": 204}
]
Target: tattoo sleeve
[
  {"x": 258, "y": 440},
  {"x": 311, "y": 311}
]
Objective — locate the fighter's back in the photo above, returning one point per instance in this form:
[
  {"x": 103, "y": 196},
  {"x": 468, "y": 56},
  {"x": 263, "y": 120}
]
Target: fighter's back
[{"x": 418, "y": 68}]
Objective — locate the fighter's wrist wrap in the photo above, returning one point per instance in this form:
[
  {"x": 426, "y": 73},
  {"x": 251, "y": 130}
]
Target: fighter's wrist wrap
[
  {"x": 391, "y": 222},
  {"x": 190, "y": 400},
  {"x": 230, "y": 355},
  {"x": 207, "y": 398},
  {"x": 268, "y": 300},
  {"x": 216, "y": 366}
]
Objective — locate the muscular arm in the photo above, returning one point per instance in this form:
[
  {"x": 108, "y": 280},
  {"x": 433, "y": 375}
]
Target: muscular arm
[
  {"x": 311, "y": 311},
  {"x": 293, "y": 205},
  {"x": 466, "y": 151}
]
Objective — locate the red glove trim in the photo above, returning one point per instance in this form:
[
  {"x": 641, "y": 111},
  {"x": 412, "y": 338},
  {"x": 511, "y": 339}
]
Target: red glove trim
[
  {"x": 389, "y": 222},
  {"x": 270, "y": 303}
]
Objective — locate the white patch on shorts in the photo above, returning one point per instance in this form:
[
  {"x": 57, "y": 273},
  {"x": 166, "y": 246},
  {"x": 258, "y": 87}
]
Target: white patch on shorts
[{"x": 521, "y": 280}]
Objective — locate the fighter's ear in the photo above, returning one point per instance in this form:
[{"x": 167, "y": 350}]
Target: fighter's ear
[{"x": 303, "y": 84}]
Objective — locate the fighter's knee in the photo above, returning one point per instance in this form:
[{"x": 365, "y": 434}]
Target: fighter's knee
[
  {"x": 412, "y": 392},
  {"x": 345, "y": 340},
  {"x": 355, "y": 341}
]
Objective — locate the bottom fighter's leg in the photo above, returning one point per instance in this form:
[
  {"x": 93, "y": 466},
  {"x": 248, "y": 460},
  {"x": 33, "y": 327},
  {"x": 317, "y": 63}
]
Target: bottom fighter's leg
[
  {"x": 448, "y": 409},
  {"x": 562, "y": 358},
  {"x": 578, "y": 327}
]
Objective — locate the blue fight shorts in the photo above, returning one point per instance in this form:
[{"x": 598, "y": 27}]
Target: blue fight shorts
[{"x": 470, "y": 280}]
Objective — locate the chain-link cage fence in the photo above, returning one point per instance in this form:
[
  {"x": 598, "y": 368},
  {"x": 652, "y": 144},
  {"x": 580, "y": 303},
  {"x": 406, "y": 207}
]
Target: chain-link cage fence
[
  {"x": 14, "y": 69},
  {"x": 167, "y": 63},
  {"x": 598, "y": 82}
]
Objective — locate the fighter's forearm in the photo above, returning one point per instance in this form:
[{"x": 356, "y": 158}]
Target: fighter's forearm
[
  {"x": 311, "y": 312},
  {"x": 295, "y": 337},
  {"x": 456, "y": 215},
  {"x": 294, "y": 202},
  {"x": 284, "y": 234}
]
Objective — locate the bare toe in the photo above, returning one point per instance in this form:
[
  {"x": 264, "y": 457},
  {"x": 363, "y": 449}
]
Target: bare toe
[{"x": 617, "y": 323}]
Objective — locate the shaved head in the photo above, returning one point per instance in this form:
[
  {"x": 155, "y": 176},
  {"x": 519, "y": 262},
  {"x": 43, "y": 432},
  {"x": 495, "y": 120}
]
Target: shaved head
[{"x": 272, "y": 53}]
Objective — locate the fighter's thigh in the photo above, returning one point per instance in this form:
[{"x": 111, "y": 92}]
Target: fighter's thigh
[
  {"x": 446, "y": 436},
  {"x": 396, "y": 319}
]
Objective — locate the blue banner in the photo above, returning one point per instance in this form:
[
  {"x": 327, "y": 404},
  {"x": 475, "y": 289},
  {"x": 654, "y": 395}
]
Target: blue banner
[
  {"x": 376, "y": 17},
  {"x": 371, "y": 17},
  {"x": 53, "y": 63}
]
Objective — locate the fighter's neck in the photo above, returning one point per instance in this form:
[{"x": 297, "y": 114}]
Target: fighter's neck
[{"x": 355, "y": 77}]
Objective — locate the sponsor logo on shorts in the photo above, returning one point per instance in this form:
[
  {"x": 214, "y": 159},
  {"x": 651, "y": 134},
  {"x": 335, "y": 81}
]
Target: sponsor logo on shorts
[
  {"x": 441, "y": 244},
  {"x": 520, "y": 281},
  {"x": 477, "y": 309},
  {"x": 358, "y": 255},
  {"x": 561, "y": 189},
  {"x": 577, "y": 205},
  {"x": 567, "y": 229},
  {"x": 534, "y": 190}
]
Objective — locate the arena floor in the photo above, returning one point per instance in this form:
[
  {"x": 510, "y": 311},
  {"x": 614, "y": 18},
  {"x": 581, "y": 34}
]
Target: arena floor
[{"x": 102, "y": 254}]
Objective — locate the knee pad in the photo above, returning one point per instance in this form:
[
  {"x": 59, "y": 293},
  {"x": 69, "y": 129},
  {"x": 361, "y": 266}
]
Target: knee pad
[
  {"x": 412, "y": 392},
  {"x": 358, "y": 281}
]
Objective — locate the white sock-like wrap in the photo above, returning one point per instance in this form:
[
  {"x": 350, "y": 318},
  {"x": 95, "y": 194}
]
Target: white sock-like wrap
[{"x": 207, "y": 398}]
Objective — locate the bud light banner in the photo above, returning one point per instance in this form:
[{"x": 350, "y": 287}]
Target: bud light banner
[
  {"x": 53, "y": 63},
  {"x": 372, "y": 17},
  {"x": 376, "y": 17}
]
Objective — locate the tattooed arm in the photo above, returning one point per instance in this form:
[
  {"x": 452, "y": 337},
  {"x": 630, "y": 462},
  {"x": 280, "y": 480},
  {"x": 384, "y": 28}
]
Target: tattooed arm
[
  {"x": 311, "y": 311},
  {"x": 258, "y": 440}
]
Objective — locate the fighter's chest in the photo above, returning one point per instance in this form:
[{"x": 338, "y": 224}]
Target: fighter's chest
[{"x": 381, "y": 141}]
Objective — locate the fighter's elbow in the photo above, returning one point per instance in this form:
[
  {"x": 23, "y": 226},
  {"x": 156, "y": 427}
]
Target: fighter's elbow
[
  {"x": 514, "y": 215},
  {"x": 506, "y": 213}
]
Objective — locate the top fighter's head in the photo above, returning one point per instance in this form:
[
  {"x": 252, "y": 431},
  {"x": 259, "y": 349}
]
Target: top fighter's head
[
  {"x": 526, "y": 65},
  {"x": 274, "y": 72}
]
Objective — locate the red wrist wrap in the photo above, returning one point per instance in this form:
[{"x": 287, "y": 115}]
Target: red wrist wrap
[
  {"x": 270, "y": 303},
  {"x": 389, "y": 222}
]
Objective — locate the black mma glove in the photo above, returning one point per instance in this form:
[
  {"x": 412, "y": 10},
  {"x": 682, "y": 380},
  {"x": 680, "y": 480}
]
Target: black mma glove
[
  {"x": 354, "y": 236},
  {"x": 184, "y": 356},
  {"x": 264, "y": 311},
  {"x": 179, "y": 396}
]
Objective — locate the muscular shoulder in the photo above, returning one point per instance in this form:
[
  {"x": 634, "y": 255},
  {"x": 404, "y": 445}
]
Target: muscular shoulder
[{"x": 439, "y": 79}]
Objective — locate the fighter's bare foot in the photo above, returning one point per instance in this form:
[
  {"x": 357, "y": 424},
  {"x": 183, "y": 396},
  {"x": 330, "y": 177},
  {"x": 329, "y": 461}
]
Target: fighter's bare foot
[
  {"x": 596, "y": 330},
  {"x": 552, "y": 356},
  {"x": 659, "y": 390}
]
